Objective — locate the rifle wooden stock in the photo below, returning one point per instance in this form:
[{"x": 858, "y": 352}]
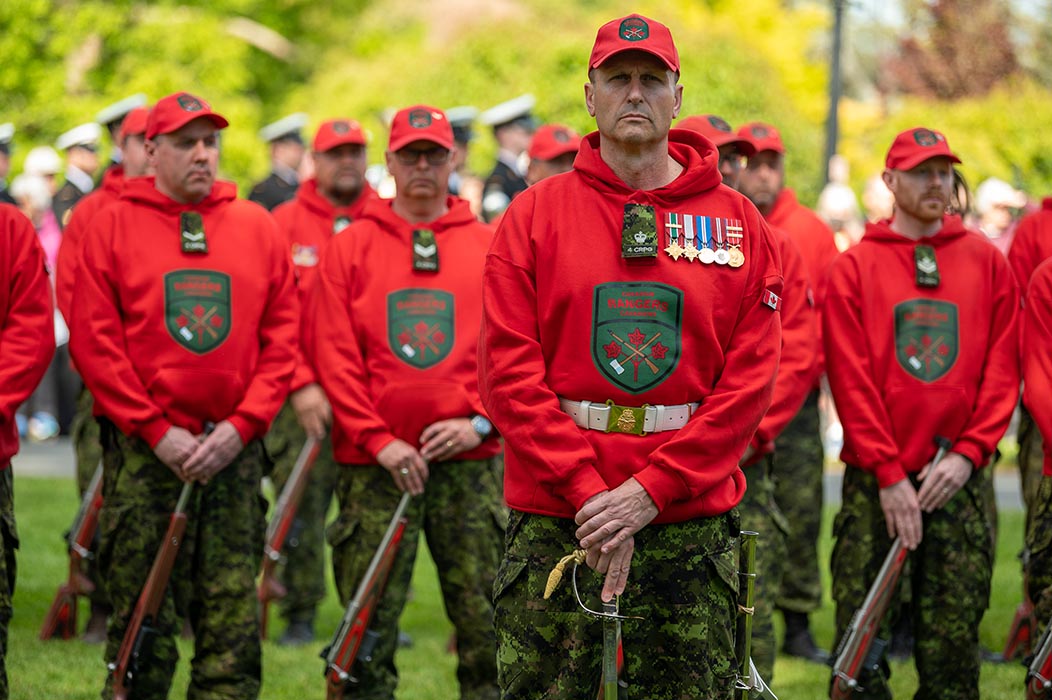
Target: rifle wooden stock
[
  {"x": 1039, "y": 674},
  {"x": 149, "y": 603},
  {"x": 347, "y": 643},
  {"x": 61, "y": 618},
  {"x": 1021, "y": 633},
  {"x": 279, "y": 526}
]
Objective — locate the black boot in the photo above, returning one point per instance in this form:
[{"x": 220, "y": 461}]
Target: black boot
[
  {"x": 798, "y": 639},
  {"x": 299, "y": 632}
]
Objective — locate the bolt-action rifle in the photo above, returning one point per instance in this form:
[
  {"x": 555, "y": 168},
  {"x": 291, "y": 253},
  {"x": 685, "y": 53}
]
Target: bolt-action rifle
[
  {"x": 353, "y": 637},
  {"x": 138, "y": 637},
  {"x": 860, "y": 650},
  {"x": 61, "y": 619},
  {"x": 279, "y": 526},
  {"x": 1039, "y": 674}
]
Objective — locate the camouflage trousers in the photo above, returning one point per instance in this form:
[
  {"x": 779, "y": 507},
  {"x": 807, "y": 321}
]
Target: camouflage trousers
[
  {"x": 8, "y": 545},
  {"x": 760, "y": 513},
  {"x": 799, "y": 462},
  {"x": 462, "y": 516},
  {"x": 1039, "y": 544},
  {"x": 84, "y": 432},
  {"x": 683, "y": 586},
  {"x": 213, "y": 582},
  {"x": 1031, "y": 459},
  {"x": 950, "y": 580},
  {"x": 302, "y": 570}
]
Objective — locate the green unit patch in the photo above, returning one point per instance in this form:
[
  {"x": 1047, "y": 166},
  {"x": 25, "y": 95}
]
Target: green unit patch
[
  {"x": 420, "y": 325},
  {"x": 927, "y": 337},
  {"x": 636, "y": 333},
  {"x": 197, "y": 308}
]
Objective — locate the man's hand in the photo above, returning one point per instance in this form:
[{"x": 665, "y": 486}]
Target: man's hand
[
  {"x": 406, "y": 466},
  {"x": 610, "y": 518},
  {"x": 940, "y": 483},
  {"x": 175, "y": 448},
  {"x": 214, "y": 453},
  {"x": 447, "y": 438},
  {"x": 902, "y": 513},
  {"x": 312, "y": 410},
  {"x": 615, "y": 565}
]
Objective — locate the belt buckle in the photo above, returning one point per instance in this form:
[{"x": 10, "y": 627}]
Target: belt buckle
[{"x": 627, "y": 420}]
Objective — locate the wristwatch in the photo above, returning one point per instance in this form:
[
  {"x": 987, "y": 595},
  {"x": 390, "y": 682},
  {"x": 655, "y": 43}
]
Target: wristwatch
[{"x": 482, "y": 426}]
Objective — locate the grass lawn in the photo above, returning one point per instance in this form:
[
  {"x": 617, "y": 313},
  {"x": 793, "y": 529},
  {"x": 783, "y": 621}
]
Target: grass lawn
[{"x": 74, "y": 671}]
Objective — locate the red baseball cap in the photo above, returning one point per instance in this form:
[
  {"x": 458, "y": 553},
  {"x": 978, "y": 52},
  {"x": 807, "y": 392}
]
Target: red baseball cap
[
  {"x": 134, "y": 123},
  {"x": 764, "y": 137},
  {"x": 553, "y": 140},
  {"x": 634, "y": 33},
  {"x": 420, "y": 123},
  {"x": 914, "y": 146},
  {"x": 338, "y": 132},
  {"x": 177, "y": 110},
  {"x": 717, "y": 130}
]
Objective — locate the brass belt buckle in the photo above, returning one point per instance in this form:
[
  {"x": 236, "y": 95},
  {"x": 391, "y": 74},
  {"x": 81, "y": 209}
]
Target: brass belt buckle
[{"x": 625, "y": 419}]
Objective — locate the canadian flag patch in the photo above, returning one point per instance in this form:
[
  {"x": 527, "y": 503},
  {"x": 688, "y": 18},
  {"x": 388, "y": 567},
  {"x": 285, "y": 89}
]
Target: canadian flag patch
[{"x": 771, "y": 299}]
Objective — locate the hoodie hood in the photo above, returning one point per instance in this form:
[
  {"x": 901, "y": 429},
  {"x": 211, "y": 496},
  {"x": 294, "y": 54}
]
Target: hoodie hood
[
  {"x": 381, "y": 212},
  {"x": 952, "y": 229},
  {"x": 113, "y": 180},
  {"x": 698, "y": 156},
  {"x": 143, "y": 190}
]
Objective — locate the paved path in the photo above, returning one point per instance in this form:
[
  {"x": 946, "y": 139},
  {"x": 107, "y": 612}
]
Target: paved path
[{"x": 55, "y": 459}]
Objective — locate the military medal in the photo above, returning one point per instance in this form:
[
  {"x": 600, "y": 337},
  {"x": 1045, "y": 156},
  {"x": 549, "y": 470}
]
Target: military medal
[
  {"x": 340, "y": 223},
  {"x": 705, "y": 252},
  {"x": 639, "y": 232},
  {"x": 927, "y": 268},
  {"x": 672, "y": 229},
  {"x": 721, "y": 255},
  {"x": 425, "y": 250},
  {"x": 192, "y": 233},
  {"x": 689, "y": 238},
  {"x": 734, "y": 235}
]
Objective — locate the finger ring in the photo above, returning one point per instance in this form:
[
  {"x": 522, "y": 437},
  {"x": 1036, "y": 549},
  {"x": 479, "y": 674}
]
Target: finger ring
[
  {"x": 449, "y": 443},
  {"x": 404, "y": 471}
]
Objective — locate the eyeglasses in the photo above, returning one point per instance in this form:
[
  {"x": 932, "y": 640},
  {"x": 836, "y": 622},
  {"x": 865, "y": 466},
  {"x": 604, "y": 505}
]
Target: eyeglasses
[
  {"x": 434, "y": 156},
  {"x": 734, "y": 160}
]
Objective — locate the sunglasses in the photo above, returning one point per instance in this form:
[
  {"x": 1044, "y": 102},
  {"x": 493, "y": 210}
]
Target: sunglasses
[{"x": 434, "y": 156}]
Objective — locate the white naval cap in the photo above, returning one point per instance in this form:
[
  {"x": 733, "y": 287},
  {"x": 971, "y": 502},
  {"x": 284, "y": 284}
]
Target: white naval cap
[
  {"x": 118, "y": 110},
  {"x": 42, "y": 160},
  {"x": 7, "y": 132},
  {"x": 509, "y": 111},
  {"x": 285, "y": 127},
  {"x": 83, "y": 135}
]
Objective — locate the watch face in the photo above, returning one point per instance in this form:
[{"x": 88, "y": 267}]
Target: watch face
[{"x": 482, "y": 425}]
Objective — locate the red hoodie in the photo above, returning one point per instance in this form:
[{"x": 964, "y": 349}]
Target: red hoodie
[
  {"x": 68, "y": 262},
  {"x": 909, "y": 363},
  {"x": 567, "y": 316},
  {"x": 309, "y": 221},
  {"x": 1037, "y": 355},
  {"x": 27, "y": 325},
  {"x": 396, "y": 349},
  {"x": 1032, "y": 243},
  {"x": 817, "y": 244},
  {"x": 797, "y": 367},
  {"x": 164, "y": 337}
]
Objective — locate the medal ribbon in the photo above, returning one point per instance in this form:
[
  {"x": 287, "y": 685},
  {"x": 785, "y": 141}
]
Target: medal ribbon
[{"x": 705, "y": 228}]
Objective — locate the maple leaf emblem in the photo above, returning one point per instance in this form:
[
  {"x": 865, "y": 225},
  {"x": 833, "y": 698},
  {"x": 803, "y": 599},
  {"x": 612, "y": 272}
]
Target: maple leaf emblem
[
  {"x": 658, "y": 351},
  {"x": 613, "y": 350},
  {"x": 636, "y": 337}
]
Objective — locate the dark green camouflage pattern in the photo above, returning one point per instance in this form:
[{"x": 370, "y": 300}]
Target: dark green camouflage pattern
[
  {"x": 1031, "y": 458},
  {"x": 8, "y": 545},
  {"x": 799, "y": 463},
  {"x": 950, "y": 580},
  {"x": 463, "y": 518},
  {"x": 302, "y": 571},
  {"x": 760, "y": 513},
  {"x": 683, "y": 584},
  {"x": 213, "y": 584},
  {"x": 1039, "y": 544}
]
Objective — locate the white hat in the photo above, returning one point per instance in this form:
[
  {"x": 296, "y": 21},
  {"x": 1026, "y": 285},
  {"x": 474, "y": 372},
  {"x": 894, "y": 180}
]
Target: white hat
[
  {"x": 118, "y": 110},
  {"x": 7, "y": 132},
  {"x": 285, "y": 127},
  {"x": 33, "y": 188},
  {"x": 42, "y": 160},
  {"x": 992, "y": 192},
  {"x": 505, "y": 112},
  {"x": 83, "y": 135}
]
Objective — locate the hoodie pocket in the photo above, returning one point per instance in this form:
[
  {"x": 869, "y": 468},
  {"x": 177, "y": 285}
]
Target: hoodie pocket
[{"x": 197, "y": 394}]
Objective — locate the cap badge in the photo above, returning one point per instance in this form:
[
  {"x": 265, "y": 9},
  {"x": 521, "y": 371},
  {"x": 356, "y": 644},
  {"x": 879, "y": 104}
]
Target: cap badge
[
  {"x": 340, "y": 127},
  {"x": 633, "y": 29},
  {"x": 419, "y": 119},
  {"x": 759, "y": 132},
  {"x": 926, "y": 137},
  {"x": 189, "y": 103},
  {"x": 561, "y": 136},
  {"x": 720, "y": 124}
]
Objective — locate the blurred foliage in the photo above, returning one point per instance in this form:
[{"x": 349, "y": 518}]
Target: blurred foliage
[{"x": 256, "y": 60}]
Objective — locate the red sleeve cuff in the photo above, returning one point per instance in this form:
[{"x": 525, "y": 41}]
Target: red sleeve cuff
[
  {"x": 303, "y": 376},
  {"x": 584, "y": 483},
  {"x": 1047, "y": 470},
  {"x": 663, "y": 485},
  {"x": 972, "y": 452},
  {"x": 379, "y": 441},
  {"x": 153, "y": 431},
  {"x": 244, "y": 428},
  {"x": 889, "y": 474}
]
